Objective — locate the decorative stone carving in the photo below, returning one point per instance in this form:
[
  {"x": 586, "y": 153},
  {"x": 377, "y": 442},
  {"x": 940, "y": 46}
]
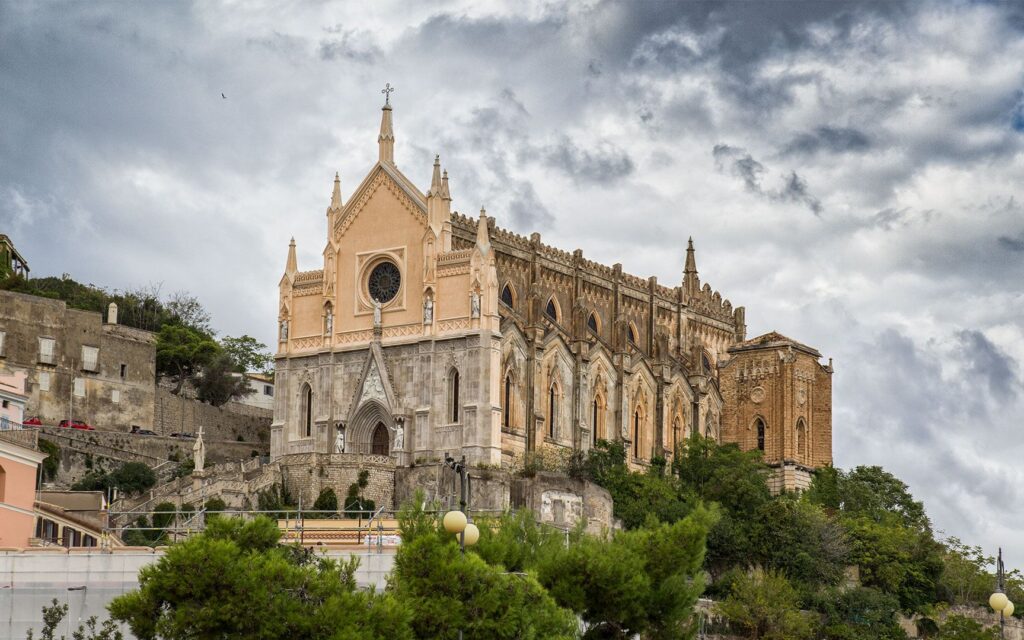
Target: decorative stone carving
[
  {"x": 474, "y": 304},
  {"x": 757, "y": 395},
  {"x": 373, "y": 387},
  {"x": 283, "y": 330},
  {"x": 428, "y": 311},
  {"x": 199, "y": 452}
]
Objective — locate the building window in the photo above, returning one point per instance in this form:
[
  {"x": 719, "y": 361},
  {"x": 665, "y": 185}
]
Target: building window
[
  {"x": 124, "y": 371},
  {"x": 592, "y": 323},
  {"x": 552, "y": 310},
  {"x": 88, "y": 541},
  {"x": 3, "y": 482},
  {"x": 379, "y": 445},
  {"x": 44, "y": 380},
  {"x": 636, "y": 434},
  {"x": 506, "y": 415},
  {"x": 597, "y": 411},
  {"x": 79, "y": 387},
  {"x": 593, "y": 420},
  {"x": 90, "y": 358},
  {"x": 507, "y": 296},
  {"x": 47, "y": 350},
  {"x": 801, "y": 437},
  {"x": 3, "y": 343},
  {"x": 115, "y": 396},
  {"x": 307, "y": 411},
  {"x": 268, "y": 390},
  {"x": 760, "y": 434},
  {"x": 631, "y": 334},
  {"x": 552, "y": 410},
  {"x": 453, "y": 395},
  {"x": 384, "y": 282}
]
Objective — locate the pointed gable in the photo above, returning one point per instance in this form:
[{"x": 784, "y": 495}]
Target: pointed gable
[{"x": 383, "y": 176}]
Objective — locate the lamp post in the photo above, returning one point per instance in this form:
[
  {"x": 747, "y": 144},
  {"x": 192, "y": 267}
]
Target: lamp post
[
  {"x": 458, "y": 522},
  {"x": 998, "y": 600}
]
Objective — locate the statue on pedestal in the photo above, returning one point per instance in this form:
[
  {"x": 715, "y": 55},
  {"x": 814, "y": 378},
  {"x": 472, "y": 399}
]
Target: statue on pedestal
[
  {"x": 199, "y": 452},
  {"x": 339, "y": 440}
]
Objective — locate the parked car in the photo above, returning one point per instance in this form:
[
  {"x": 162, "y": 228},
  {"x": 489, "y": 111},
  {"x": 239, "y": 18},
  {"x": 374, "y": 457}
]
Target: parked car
[
  {"x": 76, "y": 424},
  {"x": 142, "y": 432},
  {"x": 184, "y": 436},
  {"x": 33, "y": 422}
]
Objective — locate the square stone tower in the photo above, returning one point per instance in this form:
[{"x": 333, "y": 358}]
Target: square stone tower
[{"x": 777, "y": 397}]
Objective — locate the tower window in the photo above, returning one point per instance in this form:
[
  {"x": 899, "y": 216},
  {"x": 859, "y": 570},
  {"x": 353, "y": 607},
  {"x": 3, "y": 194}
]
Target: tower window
[
  {"x": 760, "y": 434},
  {"x": 636, "y": 433},
  {"x": 307, "y": 410},
  {"x": 453, "y": 396},
  {"x": 552, "y": 310},
  {"x": 506, "y": 296},
  {"x": 506, "y": 416},
  {"x": 552, "y": 408},
  {"x": 592, "y": 322},
  {"x": 631, "y": 334},
  {"x": 593, "y": 419}
]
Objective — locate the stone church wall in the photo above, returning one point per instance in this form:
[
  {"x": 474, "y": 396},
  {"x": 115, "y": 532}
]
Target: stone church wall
[{"x": 307, "y": 474}]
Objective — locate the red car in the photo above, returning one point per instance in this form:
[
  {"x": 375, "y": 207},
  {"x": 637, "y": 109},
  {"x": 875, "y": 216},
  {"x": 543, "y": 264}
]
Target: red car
[
  {"x": 33, "y": 422},
  {"x": 76, "y": 424}
]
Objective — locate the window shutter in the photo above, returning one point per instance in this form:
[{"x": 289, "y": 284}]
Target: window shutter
[{"x": 90, "y": 358}]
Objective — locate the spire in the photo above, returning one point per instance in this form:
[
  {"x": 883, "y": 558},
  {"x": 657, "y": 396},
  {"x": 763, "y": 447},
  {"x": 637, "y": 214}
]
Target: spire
[
  {"x": 690, "y": 280},
  {"x": 386, "y": 139},
  {"x": 336, "y": 195},
  {"x": 291, "y": 266},
  {"x": 691, "y": 261},
  {"x": 435, "y": 180},
  {"x": 483, "y": 239},
  {"x": 445, "y": 194}
]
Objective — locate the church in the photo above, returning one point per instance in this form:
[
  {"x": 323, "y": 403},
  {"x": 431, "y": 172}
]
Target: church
[{"x": 426, "y": 332}]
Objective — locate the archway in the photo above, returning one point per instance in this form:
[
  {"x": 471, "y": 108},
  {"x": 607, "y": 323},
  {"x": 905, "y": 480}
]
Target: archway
[{"x": 380, "y": 443}]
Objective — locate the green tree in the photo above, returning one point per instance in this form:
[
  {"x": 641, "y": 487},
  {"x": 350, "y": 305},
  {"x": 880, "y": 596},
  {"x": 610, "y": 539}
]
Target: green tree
[
  {"x": 958, "y": 627},
  {"x": 326, "y": 501},
  {"x": 645, "y": 581},
  {"x": 182, "y": 352},
  {"x": 219, "y": 383},
  {"x": 248, "y": 354},
  {"x": 799, "y": 539},
  {"x": 764, "y": 605},
  {"x": 860, "y": 614},
  {"x": 55, "y": 613},
  {"x": 131, "y": 478},
  {"x": 186, "y": 309},
  {"x": 235, "y": 581},
  {"x": 446, "y": 592},
  {"x": 965, "y": 578},
  {"x": 51, "y": 465},
  {"x": 516, "y": 541}
]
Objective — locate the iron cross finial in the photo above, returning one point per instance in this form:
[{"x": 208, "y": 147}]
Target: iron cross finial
[{"x": 387, "y": 91}]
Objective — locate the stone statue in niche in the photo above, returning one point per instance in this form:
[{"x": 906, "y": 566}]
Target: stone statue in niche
[
  {"x": 474, "y": 304},
  {"x": 428, "y": 311},
  {"x": 339, "y": 440},
  {"x": 376, "y": 313},
  {"x": 329, "y": 323},
  {"x": 399, "y": 429},
  {"x": 199, "y": 452},
  {"x": 284, "y": 330}
]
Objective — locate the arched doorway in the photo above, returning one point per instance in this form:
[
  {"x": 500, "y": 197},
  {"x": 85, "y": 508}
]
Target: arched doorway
[{"x": 380, "y": 443}]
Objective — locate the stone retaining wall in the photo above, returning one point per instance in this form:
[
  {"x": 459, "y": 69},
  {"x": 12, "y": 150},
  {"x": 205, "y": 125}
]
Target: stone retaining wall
[{"x": 182, "y": 414}]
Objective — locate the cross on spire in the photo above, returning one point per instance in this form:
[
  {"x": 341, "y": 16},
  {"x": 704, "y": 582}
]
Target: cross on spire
[{"x": 387, "y": 91}]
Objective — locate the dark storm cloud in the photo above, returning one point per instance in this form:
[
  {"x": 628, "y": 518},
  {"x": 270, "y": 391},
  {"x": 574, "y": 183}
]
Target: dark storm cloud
[
  {"x": 604, "y": 164},
  {"x": 349, "y": 45},
  {"x": 986, "y": 362},
  {"x": 1012, "y": 244},
  {"x": 742, "y": 165},
  {"x": 832, "y": 139}
]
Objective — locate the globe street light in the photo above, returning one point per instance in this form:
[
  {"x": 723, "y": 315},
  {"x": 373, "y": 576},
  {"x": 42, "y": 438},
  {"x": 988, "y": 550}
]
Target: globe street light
[{"x": 998, "y": 600}]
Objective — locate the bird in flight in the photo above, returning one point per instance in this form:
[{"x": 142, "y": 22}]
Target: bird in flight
[{"x": 223, "y": 96}]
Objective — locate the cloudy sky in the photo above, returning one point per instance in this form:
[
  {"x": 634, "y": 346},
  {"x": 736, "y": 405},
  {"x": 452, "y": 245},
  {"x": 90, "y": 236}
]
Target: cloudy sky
[{"x": 851, "y": 173}]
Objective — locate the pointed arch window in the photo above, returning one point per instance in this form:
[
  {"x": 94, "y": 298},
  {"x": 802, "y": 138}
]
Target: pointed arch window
[
  {"x": 631, "y": 334},
  {"x": 379, "y": 442},
  {"x": 506, "y": 409},
  {"x": 552, "y": 409},
  {"x": 306, "y": 407},
  {"x": 592, "y": 323},
  {"x": 636, "y": 433},
  {"x": 552, "y": 309},
  {"x": 597, "y": 412},
  {"x": 507, "y": 296},
  {"x": 453, "y": 395},
  {"x": 801, "y": 437},
  {"x": 760, "y": 434}
]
